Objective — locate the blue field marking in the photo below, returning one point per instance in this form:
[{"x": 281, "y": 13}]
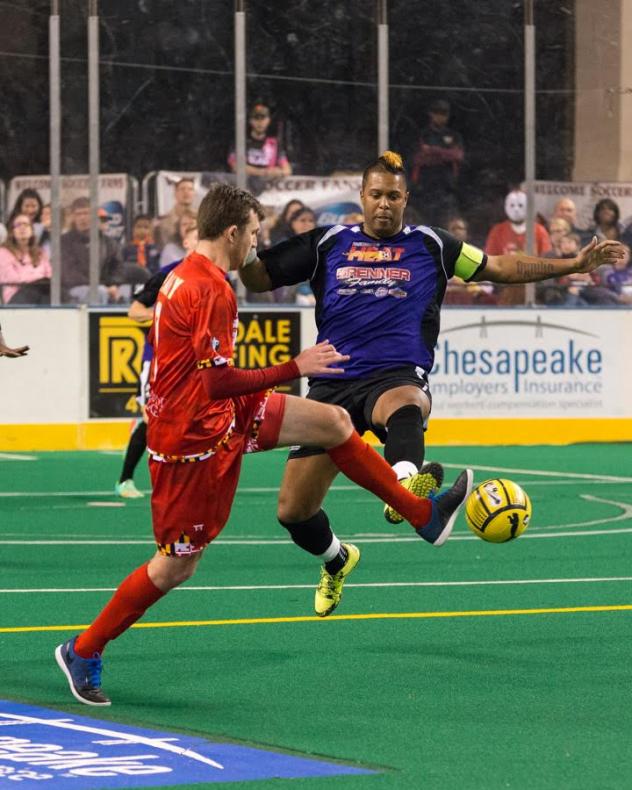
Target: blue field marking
[{"x": 42, "y": 748}]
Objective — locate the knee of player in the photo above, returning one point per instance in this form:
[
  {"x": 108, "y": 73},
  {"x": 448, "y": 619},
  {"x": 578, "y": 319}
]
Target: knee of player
[
  {"x": 340, "y": 425},
  {"x": 182, "y": 569},
  {"x": 292, "y": 509}
]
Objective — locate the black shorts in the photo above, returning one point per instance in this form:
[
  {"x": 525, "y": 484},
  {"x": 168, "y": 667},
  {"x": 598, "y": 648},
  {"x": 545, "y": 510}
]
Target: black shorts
[{"x": 359, "y": 396}]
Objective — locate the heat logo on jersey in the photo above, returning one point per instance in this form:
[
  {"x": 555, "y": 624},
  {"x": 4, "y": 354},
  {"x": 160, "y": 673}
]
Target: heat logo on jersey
[{"x": 372, "y": 253}]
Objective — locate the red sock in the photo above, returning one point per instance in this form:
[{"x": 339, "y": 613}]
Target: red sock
[
  {"x": 364, "y": 466},
  {"x": 128, "y": 604}
]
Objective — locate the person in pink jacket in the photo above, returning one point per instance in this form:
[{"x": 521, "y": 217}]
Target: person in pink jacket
[{"x": 22, "y": 261}]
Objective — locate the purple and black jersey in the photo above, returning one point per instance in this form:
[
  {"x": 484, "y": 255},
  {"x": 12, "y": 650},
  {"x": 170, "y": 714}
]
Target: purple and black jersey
[{"x": 377, "y": 300}]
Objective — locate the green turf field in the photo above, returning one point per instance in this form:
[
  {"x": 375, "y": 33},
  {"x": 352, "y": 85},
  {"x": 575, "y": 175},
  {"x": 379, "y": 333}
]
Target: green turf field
[{"x": 473, "y": 666}]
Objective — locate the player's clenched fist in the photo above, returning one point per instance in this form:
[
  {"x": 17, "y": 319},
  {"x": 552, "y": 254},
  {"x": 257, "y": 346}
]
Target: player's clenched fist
[{"x": 320, "y": 359}]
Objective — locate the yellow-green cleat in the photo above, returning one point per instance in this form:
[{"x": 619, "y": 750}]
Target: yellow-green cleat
[
  {"x": 428, "y": 481},
  {"x": 329, "y": 590},
  {"x": 127, "y": 490}
]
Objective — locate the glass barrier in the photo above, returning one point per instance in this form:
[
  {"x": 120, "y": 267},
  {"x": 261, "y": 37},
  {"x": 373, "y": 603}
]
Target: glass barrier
[
  {"x": 456, "y": 96},
  {"x": 312, "y": 106},
  {"x": 584, "y": 186},
  {"x": 460, "y": 124}
]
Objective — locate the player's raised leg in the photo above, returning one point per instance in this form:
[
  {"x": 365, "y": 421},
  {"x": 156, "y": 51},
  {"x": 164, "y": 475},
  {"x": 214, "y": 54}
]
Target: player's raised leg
[{"x": 312, "y": 423}]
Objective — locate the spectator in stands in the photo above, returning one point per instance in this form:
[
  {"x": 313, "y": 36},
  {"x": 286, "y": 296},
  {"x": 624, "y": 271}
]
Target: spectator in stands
[
  {"x": 175, "y": 250},
  {"x": 141, "y": 250},
  {"x": 510, "y": 238},
  {"x": 613, "y": 284},
  {"x": 436, "y": 166},
  {"x": 558, "y": 229},
  {"x": 30, "y": 203},
  {"x": 264, "y": 153},
  {"x": 280, "y": 229},
  {"x": 606, "y": 217},
  {"x": 184, "y": 197},
  {"x": 75, "y": 260},
  {"x": 24, "y": 266},
  {"x": 301, "y": 220},
  {"x": 564, "y": 291},
  {"x": 565, "y": 208},
  {"x": 458, "y": 227}
]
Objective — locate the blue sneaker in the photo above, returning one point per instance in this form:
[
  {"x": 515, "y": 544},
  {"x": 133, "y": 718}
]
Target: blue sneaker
[
  {"x": 83, "y": 674},
  {"x": 445, "y": 508}
]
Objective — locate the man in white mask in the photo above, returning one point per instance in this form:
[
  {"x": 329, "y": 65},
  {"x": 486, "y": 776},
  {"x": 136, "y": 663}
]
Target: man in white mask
[{"x": 510, "y": 238}]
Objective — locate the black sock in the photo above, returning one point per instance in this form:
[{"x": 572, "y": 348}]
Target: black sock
[
  {"x": 336, "y": 564},
  {"x": 135, "y": 450},
  {"x": 314, "y": 535},
  {"x": 405, "y": 436}
]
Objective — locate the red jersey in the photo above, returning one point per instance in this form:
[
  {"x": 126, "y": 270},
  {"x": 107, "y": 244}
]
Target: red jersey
[
  {"x": 503, "y": 240},
  {"x": 195, "y": 326}
]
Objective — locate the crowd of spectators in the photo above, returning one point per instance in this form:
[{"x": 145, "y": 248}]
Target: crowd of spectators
[{"x": 153, "y": 242}]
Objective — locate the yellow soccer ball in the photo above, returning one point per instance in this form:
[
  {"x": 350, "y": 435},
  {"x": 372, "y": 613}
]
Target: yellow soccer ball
[{"x": 498, "y": 510}]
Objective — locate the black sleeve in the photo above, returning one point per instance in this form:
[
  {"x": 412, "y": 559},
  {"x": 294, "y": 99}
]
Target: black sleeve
[
  {"x": 294, "y": 260},
  {"x": 149, "y": 292},
  {"x": 451, "y": 250}
]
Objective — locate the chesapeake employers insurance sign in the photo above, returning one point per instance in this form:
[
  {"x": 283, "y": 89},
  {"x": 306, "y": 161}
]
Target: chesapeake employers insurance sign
[{"x": 527, "y": 363}]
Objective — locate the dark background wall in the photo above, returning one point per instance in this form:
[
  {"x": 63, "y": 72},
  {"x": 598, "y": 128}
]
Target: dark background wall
[{"x": 167, "y": 83}]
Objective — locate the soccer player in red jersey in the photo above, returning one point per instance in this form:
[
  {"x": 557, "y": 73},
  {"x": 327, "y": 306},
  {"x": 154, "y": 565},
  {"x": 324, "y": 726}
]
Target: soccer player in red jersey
[{"x": 204, "y": 414}]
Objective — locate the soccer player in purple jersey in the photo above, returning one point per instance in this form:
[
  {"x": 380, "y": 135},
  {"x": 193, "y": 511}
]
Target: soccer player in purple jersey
[{"x": 379, "y": 286}]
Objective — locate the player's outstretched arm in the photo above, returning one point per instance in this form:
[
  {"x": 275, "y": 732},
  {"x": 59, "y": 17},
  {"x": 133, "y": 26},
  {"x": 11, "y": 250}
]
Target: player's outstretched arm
[
  {"x": 528, "y": 268},
  {"x": 12, "y": 353},
  {"x": 254, "y": 275},
  {"x": 226, "y": 381}
]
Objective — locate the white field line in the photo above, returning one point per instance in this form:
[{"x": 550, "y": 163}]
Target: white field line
[
  {"x": 259, "y": 587},
  {"x": 275, "y": 489},
  {"x": 542, "y": 473},
  {"x": 282, "y": 542},
  {"x": 17, "y": 457},
  {"x": 361, "y": 537}
]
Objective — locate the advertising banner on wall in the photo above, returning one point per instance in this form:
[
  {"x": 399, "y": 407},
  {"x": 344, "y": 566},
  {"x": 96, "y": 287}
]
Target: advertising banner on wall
[
  {"x": 525, "y": 363},
  {"x": 116, "y": 344},
  {"x": 585, "y": 195},
  {"x": 333, "y": 199}
]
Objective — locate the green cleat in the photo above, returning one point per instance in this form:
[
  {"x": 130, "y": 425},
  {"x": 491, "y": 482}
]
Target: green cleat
[
  {"x": 329, "y": 590},
  {"x": 424, "y": 483},
  {"x": 127, "y": 490}
]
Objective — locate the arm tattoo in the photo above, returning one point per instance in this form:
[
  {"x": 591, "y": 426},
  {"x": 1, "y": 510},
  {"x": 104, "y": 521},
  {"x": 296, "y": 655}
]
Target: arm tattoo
[{"x": 535, "y": 270}]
